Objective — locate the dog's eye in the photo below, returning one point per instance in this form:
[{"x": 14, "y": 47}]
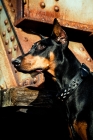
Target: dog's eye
[{"x": 41, "y": 47}]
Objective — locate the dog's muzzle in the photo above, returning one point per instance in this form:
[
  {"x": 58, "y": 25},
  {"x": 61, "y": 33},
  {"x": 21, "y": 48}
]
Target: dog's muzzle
[{"x": 16, "y": 62}]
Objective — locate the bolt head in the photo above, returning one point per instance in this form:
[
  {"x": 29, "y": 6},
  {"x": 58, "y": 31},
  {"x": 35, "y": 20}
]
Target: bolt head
[
  {"x": 12, "y": 38},
  {"x": 3, "y": 33},
  {"x": 42, "y": 4},
  {"x": 56, "y": 8},
  {"x": 89, "y": 59},
  {"x": 13, "y": 10},
  {"x": 7, "y": 42},
  {"x": 81, "y": 49},
  {"x": 6, "y": 22},
  {"x": 9, "y": 50},
  {"x": 9, "y": 29},
  {"x": 15, "y": 47}
]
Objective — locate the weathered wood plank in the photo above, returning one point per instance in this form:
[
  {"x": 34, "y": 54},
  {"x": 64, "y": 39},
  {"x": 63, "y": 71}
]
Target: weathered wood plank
[{"x": 27, "y": 97}]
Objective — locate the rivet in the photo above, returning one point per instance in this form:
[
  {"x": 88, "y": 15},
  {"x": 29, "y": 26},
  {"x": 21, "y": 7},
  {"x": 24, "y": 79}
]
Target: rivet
[
  {"x": 25, "y": 39},
  {"x": 12, "y": 38},
  {"x": 81, "y": 49},
  {"x": 15, "y": 47},
  {"x": 42, "y": 4},
  {"x": 6, "y": 22},
  {"x": 43, "y": 19},
  {"x": 89, "y": 59},
  {"x": 7, "y": 42},
  {"x": 10, "y": 4},
  {"x": 0, "y": 8},
  {"x": 4, "y": 33},
  {"x": 9, "y": 29},
  {"x": 20, "y": 84},
  {"x": 9, "y": 51},
  {"x": 13, "y": 10},
  {"x": 56, "y": 8}
]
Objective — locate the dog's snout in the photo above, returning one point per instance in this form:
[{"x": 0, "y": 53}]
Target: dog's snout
[{"x": 16, "y": 62}]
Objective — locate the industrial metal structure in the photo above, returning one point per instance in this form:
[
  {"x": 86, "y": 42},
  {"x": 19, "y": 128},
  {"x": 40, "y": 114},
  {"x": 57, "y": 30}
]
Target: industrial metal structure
[{"x": 18, "y": 18}]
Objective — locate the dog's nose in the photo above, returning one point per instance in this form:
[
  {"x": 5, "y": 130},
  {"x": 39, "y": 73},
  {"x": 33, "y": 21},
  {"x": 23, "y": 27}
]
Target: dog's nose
[{"x": 16, "y": 62}]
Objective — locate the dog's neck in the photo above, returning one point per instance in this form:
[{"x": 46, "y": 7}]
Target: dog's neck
[
  {"x": 63, "y": 75},
  {"x": 74, "y": 73},
  {"x": 70, "y": 67}
]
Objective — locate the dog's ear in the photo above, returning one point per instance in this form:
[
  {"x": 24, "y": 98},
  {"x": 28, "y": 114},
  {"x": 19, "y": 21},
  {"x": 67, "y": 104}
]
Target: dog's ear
[{"x": 58, "y": 34}]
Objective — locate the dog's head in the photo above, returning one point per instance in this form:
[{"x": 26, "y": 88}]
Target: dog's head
[{"x": 44, "y": 54}]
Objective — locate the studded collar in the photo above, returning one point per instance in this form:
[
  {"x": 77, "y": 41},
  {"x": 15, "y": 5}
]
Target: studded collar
[{"x": 74, "y": 83}]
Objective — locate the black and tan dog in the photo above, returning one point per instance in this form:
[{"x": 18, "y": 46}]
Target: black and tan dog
[{"x": 74, "y": 82}]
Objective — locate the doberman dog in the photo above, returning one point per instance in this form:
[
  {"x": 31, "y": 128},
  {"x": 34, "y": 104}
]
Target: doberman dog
[{"x": 73, "y": 80}]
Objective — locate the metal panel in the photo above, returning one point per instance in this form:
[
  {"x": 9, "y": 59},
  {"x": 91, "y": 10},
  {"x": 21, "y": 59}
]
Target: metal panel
[
  {"x": 10, "y": 49},
  {"x": 14, "y": 41},
  {"x": 77, "y": 14}
]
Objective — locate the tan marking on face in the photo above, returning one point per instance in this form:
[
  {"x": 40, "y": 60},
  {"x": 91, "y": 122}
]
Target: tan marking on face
[
  {"x": 52, "y": 64},
  {"x": 30, "y": 62},
  {"x": 70, "y": 133},
  {"x": 80, "y": 128}
]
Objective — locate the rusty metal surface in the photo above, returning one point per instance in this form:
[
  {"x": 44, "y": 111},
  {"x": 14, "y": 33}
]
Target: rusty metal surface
[
  {"x": 75, "y": 14},
  {"x": 14, "y": 41},
  {"x": 81, "y": 54},
  {"x": 11, "y": 8},
  {"x": 10, "y": 48},
  {"x": 7, "y": 78},
  {"x": 26, "y": 40}
]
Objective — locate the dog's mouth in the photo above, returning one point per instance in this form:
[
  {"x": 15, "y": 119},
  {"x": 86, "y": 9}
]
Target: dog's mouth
[
  {"x": 33, "y": 72},
  {"x": 30, "y": 69},
  {"x": 36, "y": 72}
]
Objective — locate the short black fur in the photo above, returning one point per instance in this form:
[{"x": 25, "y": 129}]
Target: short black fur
[{"x": 79, "y": 105}]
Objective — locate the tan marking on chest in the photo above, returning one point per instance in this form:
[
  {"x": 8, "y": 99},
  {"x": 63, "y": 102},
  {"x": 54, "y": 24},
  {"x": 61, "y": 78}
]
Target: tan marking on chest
[
  {"x": 70, "y": 133},
  {"x": 81, "y": 129},
  {"x": 52, "y": 64}
]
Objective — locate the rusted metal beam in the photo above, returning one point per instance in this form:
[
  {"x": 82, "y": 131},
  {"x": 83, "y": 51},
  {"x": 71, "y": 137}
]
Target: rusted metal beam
[
  {"x": 11, "y": 47},
  {"x": 81, "y": 54},
  {"x": 70, "y": 14},
  {"x": 20, "y": 9},
  {"x": 31, "y": 14}
]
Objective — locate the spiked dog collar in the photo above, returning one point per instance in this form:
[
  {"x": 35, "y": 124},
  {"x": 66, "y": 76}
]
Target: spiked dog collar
[{"x": 74, "y": 83}]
